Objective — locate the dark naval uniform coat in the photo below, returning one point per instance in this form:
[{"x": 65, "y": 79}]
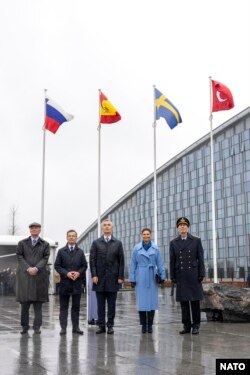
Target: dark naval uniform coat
[{"x": 187, "y": 267}]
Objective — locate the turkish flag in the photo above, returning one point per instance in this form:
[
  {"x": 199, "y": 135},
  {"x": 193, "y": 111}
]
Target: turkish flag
[{"x": 222, "y": 97}]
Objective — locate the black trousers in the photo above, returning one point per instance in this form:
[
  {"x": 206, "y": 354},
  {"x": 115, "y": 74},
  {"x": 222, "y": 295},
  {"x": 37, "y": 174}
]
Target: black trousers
[
  {"x": 146, "y": 317},
  {"x": 196, "y": 314},
  {"x": 102, "y": 297},
  {"x": 25, "y": 307},
  {"x": 75, "y": 309}
]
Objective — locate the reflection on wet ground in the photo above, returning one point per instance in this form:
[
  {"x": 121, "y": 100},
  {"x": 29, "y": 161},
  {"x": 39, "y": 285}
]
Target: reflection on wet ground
[{"x": 126, "y": 352}]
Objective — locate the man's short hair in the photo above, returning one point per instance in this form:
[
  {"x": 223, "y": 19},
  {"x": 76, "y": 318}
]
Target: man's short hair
[
  {"x": 72, "y": 230},
  {"x": 103, "y": 221}
]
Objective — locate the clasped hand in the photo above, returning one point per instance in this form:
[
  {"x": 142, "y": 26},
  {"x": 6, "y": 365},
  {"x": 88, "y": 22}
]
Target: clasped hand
[
  {"x": 32, "y": 271},
  {"x": 73, "y": 275},
  {"x": 95, "y": 280}
]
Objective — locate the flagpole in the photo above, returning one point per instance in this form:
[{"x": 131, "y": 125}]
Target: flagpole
[
  {"x": 43, "y": 168},
  {"x": 99, "y": 171},
  {"x": 213, "y": 188},
  {"x": 155, "y": 176}
]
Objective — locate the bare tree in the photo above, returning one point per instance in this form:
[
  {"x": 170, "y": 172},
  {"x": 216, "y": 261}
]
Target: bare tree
[{"x": 13, "y": 229}]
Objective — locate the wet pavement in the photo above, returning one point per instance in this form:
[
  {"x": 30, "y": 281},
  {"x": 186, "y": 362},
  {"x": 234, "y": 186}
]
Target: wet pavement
[{"x": 127, "y": 351}]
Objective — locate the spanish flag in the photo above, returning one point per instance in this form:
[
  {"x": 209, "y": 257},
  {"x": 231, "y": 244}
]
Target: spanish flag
[{"x": 108, "y": 113}]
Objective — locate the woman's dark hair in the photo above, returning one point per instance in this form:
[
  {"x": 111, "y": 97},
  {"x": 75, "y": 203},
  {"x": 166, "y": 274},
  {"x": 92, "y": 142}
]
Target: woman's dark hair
[{"x": 144, "y": 229}]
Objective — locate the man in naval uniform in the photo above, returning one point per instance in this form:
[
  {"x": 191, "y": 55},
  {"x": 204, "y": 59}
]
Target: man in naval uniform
[{"x": 187, "y": 271}]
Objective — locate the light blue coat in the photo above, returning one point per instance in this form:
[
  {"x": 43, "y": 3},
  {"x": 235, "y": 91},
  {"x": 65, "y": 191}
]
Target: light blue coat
[{"x": 143, "y": 267}]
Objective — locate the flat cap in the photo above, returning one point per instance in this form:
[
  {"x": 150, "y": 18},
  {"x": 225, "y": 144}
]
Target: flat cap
[
  {"x": 182, "y": 220},
  {"x": 34, "y": 224}
]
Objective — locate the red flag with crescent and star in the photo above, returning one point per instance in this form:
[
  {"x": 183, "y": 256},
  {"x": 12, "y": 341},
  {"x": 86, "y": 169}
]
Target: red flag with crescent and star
[
  {"x": 108, "y": 113},
  {"x": 222, "y": 97}
]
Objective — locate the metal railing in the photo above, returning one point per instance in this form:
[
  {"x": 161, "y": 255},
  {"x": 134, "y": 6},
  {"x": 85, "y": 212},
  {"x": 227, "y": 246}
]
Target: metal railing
[{"x": 229, "y": 275}]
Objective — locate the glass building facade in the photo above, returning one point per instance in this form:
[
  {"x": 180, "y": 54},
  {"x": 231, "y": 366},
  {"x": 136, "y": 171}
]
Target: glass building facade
[{"x": 184, "y": 189}]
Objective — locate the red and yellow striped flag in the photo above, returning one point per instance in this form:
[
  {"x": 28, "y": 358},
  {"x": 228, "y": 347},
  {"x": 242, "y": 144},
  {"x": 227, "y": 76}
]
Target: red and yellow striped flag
[{"x": 108, "y": 113}]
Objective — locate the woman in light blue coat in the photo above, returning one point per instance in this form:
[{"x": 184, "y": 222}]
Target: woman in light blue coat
[{"x": 146, "y": 263}]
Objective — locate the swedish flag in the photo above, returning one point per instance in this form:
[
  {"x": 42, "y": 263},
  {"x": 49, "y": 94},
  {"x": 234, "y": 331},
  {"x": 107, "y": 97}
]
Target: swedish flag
[{"x": 164, "y": 108}]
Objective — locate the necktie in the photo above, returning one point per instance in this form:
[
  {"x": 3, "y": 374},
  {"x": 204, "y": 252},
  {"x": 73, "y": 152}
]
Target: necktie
[
  {"x": 71, "y": 248},
  {"x": 33, "y": 243},
  {"x": 107, "y": 239}
]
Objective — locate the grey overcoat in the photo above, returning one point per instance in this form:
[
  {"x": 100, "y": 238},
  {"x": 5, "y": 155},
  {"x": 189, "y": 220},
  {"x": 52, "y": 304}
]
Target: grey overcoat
[{"x": 32, "y": 288}]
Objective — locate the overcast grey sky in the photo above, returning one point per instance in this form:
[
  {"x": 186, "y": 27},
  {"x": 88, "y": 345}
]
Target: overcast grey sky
[{"x": 73, "y": 48}]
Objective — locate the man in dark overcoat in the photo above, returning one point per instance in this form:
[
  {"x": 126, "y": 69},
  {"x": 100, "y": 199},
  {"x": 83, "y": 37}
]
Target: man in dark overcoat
[
  {"x": 32, "y": 279},
  {"x": 187, "y": 271},
  {"x": 71, "y": 264},
  {"x": 107, "y": 271}
]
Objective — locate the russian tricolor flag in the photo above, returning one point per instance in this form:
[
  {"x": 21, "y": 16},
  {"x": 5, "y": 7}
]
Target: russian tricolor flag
[{"x": 55, "y": 116}]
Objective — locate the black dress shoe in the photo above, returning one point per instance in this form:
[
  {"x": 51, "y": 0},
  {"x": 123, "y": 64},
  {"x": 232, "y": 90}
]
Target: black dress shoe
[
  {"x": 37, "y": 331},
  {"x": 24, "y": 330},
  {"x": 63, "y": 331},
  {"x": 78, "y": 331},
  {"x": 143, "y": 329},
  {"x": 150, "y": 329},
  {"x": 92, "y": 322},
  {"x": 110, "y": 330},
  {"x": 195, "y": 331},
  {"x": 184, "y": 331},
  {"x": 100, "y": 330}
]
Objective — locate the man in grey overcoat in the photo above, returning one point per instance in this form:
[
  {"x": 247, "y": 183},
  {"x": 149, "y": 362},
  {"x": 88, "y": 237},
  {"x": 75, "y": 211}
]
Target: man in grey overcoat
[
  {"x": 107, "y": 271},
  {"x": 187, "y": 271},
  {"x": 32, "y": 278}
]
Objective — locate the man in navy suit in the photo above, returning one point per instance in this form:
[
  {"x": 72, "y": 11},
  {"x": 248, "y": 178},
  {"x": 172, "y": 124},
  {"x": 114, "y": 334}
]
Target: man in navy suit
[
  {"x": 71, "y": 264},
  {"x": 187, "y": 271}
]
